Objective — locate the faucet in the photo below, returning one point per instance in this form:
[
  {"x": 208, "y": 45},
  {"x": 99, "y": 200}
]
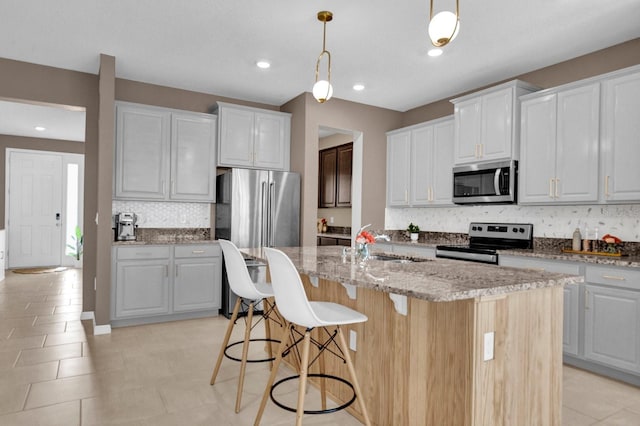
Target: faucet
[{"x": 382, "y": 237}]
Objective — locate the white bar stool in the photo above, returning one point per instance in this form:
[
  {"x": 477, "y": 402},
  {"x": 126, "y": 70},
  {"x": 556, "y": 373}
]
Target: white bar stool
[
  {"x": 241, "y": 284},
  {"x": 298, "y": 310}
]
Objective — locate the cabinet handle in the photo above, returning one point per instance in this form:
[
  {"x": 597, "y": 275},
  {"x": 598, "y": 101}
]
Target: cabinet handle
[
  {"x": 536, "y": 269},
  {"x": 614, "y": 277},
  {"x": 550, "y": 187},
  {"x": 556, "y": 189},
  {"x": 606, "y": 186},
  {"x": 430, "y": 194},
  {"x": 586, "y": 299},
  {"x": 197, "y": 251}
]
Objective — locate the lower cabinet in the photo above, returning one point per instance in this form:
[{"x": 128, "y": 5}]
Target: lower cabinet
[
  {"x": 571, "y": 319},
  {"x": 151, "y": 283},
  {"x": 329, "y": 241}
]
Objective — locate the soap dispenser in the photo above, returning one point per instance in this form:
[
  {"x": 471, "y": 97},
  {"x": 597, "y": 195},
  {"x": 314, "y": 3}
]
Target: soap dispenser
[{"x": 576, "y": 240}]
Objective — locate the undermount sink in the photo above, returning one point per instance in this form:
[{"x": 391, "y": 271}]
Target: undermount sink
[{"x": 395, "y": 259}]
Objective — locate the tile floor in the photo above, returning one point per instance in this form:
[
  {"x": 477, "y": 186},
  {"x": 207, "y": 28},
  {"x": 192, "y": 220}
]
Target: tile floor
[{"x": 54, "y": 372}]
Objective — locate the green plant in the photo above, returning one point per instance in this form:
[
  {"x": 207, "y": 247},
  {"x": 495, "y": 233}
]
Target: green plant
[
  {"x": 76, "y": 248},
  {"x": 413, "y": 228}
]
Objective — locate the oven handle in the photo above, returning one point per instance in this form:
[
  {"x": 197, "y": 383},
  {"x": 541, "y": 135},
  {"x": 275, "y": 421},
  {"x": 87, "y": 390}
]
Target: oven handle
[{"x": 496, "y": 181}]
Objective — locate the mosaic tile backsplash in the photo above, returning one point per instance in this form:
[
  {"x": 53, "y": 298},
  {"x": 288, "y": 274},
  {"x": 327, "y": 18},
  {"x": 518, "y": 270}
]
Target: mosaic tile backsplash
[
  {"x": 622, "y": 221},
  {"x": 166, "y": 215}
]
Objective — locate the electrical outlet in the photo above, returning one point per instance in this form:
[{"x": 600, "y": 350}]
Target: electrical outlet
[
  {"x": 352, "y": 340},
  {"x": 330, "y": 219},
  {"x": 488, "y": 346},
  {"x": 95, "y": 283}
]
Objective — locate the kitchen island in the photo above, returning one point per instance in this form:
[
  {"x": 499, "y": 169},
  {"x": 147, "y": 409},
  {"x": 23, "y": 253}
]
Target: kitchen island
[{"x": 447, "y": 342}]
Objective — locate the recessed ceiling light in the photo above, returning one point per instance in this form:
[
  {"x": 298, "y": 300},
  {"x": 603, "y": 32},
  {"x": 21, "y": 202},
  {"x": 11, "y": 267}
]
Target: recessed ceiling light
[
  {"x": 40, "y": 128},
  {"x": 434, "y": 52},
  {"x": 263, "y": 64},
  {"x": 358, "y": 87}
]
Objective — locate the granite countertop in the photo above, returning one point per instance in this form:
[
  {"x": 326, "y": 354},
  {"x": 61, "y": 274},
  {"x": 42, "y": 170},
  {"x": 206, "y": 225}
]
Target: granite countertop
[
  {"x": 438, "y": 280},
  {"x": 334, "y": 235},
  {"x": 165, "y": 241}
]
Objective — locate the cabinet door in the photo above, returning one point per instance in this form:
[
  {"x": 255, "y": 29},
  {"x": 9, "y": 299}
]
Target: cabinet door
[
  {"x": 398, "y": 157},
  {"x": 327, "y": 178},
  {"x": 468, "y": 126},
  {"x": 577, "y": 144},
  {"x": 343, "y": 175},
  {"x": 612, "y": 331},
  {"x": 197, "y": 284},
  {"x": 537, "y": 150},
  {"x": 193, "y": 161},
  {"x": 271, "y": 141},
  {"x": 141, "y": 157},
  {"x": 620, "y": 145},
  {"x": 421, "y": 166},
  {"x": 235, "y": 137},
  {"x": 497, "y": 125},
  {"x": 142, "y": 288},
  {"x": 571, "y": 319},
  {"x": 442, "y": 164}
]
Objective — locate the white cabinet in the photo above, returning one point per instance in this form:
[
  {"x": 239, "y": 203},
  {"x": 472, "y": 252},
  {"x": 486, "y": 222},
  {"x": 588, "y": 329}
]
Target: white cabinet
[
  {"x": 253, "y": 138},
  {"x": 164, "y": 155},
  {"x": 620, "y": 144},
  {"x": 152, "y": 283},
  {"x": 571, "y": 319},
  {"x": 428, "y": 150},
  {"x": 487, "y": 123},
  {"x": 559, "y": 146},
  {"x": 612, "y": 317}
]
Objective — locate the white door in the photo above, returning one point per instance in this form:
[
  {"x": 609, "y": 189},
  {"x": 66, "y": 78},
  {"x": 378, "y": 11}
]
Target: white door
[{"x": 35, "y": 209}]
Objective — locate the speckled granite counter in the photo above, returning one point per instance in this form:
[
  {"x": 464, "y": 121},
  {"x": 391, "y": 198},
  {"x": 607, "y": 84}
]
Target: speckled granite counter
[
  {"x": 625, "y": 261},
  {"x": 334, "y": 235},
  {"x": 438, "y": 280},
  {"x": 163, "y": 242},
  {"x": 161, "y": 236}
]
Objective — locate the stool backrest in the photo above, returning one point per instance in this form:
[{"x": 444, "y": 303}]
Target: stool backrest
[
  {"x": 288, "y": 290},
  {"x": 237, "y": 273}
]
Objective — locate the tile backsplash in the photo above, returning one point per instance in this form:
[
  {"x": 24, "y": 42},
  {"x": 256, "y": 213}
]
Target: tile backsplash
[
  {"x": 548, "y": 221},
  {"x": 153, "y": 214}
]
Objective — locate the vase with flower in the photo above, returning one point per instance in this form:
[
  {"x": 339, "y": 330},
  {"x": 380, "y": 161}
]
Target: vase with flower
[
  {"x": 322, "y": 225},
  {"x": 363, "y": 239}
]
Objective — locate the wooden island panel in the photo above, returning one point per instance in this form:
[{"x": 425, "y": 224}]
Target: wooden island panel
[{"x": 426, "y": 368}]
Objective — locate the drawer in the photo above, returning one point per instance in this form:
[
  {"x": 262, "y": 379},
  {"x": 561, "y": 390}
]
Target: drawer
[
  {"x": 197, "y": 250},
  {"x": 143, "y": 252},
  {"x": 524, "y": 262},
  {"x": 617, "y": 277}
]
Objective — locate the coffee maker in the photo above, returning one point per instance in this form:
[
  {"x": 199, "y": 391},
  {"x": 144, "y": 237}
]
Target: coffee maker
[{"x": 126, "y": 226}]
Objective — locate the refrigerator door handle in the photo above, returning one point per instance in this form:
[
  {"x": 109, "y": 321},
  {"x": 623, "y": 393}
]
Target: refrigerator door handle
[
  {"x": 272, "y": 204},
  {"x": 263, "y": 205}
]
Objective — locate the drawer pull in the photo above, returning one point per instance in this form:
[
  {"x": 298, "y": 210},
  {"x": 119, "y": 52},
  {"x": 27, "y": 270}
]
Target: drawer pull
[
  {"x": 197, "y": 251},
  {"x": 614, "y": 277},
  {"x": 536, "y": 269}
]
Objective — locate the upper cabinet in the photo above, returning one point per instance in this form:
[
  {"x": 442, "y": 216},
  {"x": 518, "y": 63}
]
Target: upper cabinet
[
  {"x": 487, "y": 123},
  {"x": 559, "y": 146},
  {"x": 335, "y": 176},
  {"x": 253, "y": 138},
  {"x": 428, "y": 150},
  {"x": 163, "y": 154},
  {"x": 620, "y": 144}
]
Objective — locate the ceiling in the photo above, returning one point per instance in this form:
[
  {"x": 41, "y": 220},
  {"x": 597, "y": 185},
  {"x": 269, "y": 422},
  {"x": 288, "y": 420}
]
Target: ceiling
[{"x": 211, "y": 46}]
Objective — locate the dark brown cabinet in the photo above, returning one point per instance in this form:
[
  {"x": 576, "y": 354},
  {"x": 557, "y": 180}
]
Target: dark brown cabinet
[
  {"x": 328, "y": 241},
  {"x": 334, "y": 189}
]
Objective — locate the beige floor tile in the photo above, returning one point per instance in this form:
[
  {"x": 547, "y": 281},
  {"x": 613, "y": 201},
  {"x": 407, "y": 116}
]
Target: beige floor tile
[
  {"x": 12, "y": 396},
  {"x": 66, "y": 301},
  {"x": 50, "y": 353},
  {"x": 28, "y": 342},
  {"x": 117, "y": 408},
  {"x": 65, "y": 414},
  {"x": 35, "y": 330},
  {"x": 38, "y": 309},
  {"x": 85, "y": 365},
  {"x": 573, "y": 418},
  {"x": 46, "y": 319},
  {"x": 621, "y": 418},
  {"x": 68, "y": 309},
  {"x": 29, "y": 373},
  {"x": 64, "y": 338},
  {"x": 63, "y": 390},
  {"x": 8, "y": 359}
]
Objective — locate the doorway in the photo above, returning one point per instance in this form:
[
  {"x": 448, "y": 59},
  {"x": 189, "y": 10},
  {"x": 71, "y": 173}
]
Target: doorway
[{"x": 44, "y": 204}]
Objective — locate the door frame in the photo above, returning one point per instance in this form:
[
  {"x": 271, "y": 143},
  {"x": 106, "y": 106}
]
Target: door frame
[{"x": 67, "y": 158}]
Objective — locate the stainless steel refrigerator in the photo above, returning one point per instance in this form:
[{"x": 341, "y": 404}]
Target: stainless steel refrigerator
[{"x": 256, "y": 208}]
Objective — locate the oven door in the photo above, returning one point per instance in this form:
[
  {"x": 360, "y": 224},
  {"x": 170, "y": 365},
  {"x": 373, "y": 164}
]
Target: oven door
[{"x": 485, "y": 183}]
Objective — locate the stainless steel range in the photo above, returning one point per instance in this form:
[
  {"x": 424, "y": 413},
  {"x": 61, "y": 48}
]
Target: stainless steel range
[{"x": 485, "y": 239}]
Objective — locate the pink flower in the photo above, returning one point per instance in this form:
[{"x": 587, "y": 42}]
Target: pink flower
[{"x": 365, "y": 238}]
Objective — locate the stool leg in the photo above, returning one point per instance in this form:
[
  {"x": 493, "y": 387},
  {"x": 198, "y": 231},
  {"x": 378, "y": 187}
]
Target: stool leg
[
  {"x": 284, "y": 339},
  {"x": 225, "y": 342},
  {"x": 323, "y": 384},
  {"x": 267, "y": 332},
  {"x": 352, "y": 373},
  {"x": 245, "y": 351},
  {"x": 304, "y": 366}
]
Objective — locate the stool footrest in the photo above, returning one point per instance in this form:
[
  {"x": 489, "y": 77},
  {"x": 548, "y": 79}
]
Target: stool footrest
[
  {"x": 249, "y": 360},
  {"x": 325, "y": 376}
]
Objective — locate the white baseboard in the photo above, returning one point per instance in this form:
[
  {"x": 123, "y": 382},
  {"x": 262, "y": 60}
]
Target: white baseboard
[{"x": 97, "y": 329}]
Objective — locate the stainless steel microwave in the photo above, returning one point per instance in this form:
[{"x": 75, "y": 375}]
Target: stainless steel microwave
[{"x": 485, "y": 183}]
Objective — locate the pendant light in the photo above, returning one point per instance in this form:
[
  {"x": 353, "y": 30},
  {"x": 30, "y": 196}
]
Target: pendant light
[
  {"x": 443, "y": 27},
  {"x": 322, "y": 89}
]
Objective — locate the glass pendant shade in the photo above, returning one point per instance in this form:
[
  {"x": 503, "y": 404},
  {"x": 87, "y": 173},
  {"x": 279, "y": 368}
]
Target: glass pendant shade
[
  {"x": 443, "y": 28},
  {"x": 322, "y": 91}
]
